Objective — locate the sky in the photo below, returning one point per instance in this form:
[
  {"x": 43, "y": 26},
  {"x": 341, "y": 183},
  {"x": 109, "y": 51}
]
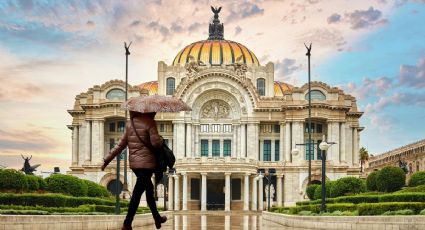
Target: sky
[{"x": 51, "y": 51}]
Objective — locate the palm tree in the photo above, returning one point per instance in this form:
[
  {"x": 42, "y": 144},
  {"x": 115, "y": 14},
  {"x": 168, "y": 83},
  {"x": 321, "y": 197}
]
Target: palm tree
[{"x": 364, "y": 156}]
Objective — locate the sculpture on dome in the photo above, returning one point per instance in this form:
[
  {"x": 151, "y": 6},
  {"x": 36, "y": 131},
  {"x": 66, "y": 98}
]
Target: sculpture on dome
[
  {"x": 240, "y": 66},
  {"x": 216, "y": 29},
  {"x": 193, "y": 66},
  {"x": 28, "y": 169}
]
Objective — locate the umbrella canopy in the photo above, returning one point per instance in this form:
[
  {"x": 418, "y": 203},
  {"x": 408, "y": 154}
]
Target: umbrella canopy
[{"x": 155, "y": 103}]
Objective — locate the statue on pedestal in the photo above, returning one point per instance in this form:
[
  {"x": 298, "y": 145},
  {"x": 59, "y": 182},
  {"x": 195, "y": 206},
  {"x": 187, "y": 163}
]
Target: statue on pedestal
[{"x": 28, "y": 169}]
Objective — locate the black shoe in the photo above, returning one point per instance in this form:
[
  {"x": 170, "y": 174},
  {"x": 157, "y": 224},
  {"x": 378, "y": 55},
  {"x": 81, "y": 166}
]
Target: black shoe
[
  {"x": 159, "y": 221},
  {"x": 126, "y": 227}
]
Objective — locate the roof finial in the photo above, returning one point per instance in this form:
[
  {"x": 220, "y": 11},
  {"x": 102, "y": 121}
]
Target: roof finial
[{"x": 216, "y": 28}]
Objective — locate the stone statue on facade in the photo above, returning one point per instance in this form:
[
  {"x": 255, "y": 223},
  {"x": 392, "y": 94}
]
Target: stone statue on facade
[
  {"x": 192, "y": 67},
  {"x": 272, "y": 190},
  {"x": 240, "y": 67},
  {"x": 403, "y": 165},
  {"x": 28, "y": 169},
  {"x": 216, "y": 110},
  {"x": 160, "y": 191},
  {"x": 216, "y": 29}
]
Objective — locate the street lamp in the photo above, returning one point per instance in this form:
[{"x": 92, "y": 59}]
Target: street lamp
[{"x": 324, "y": 146}]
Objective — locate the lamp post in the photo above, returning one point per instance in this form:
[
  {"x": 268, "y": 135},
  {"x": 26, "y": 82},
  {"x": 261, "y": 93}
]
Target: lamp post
[
  {"x": 308, "y": 54},
  {"x": 127, "y": 52},
  {"x": 324, "y": 146}
]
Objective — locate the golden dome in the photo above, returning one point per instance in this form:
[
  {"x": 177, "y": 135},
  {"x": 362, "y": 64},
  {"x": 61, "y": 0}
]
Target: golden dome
[
  {"x": 216, "y": 52},
  {"x": 151, "y": 86},
  {"x": 279, "y": 87}
]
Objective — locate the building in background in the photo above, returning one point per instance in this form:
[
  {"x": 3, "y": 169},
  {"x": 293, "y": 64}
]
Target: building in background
[
  {"x": 413, "y": 155},
  {"x": 242, "y": 120}
]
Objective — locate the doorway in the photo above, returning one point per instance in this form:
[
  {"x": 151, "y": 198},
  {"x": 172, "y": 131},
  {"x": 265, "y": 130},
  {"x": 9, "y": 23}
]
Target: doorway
[{"x": 215, "y": 194}]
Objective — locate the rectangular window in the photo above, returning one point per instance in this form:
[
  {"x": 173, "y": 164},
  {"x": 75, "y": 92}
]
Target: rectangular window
[
  {"x": 204, "y": 148},
  {"x": 266, "y": 128},
  {"x": 161, "y": 127},
  {"x": 215, "y": 148},
  {"x": 236, "y": 189},
  {"x": 195, "y": 189},
  {"x": 204, "y": 128},
  {"x": 267, "y": 148},
  {"x": 111, "y": 144},
  {"x": 121, "y": 126},
  {"x": 112, "y": 127},
  {"x": 227, "y": 148},
  {"x": 319, "y": 128},
  {"x": 215, "y": 128},
  {"x": 312, "y": 127},
  {"x": 309, "y": 151},
  {"x": 227, "y": 128},
  {"x": 276, "y": 150},
  {"x": 277, "y": 128}
]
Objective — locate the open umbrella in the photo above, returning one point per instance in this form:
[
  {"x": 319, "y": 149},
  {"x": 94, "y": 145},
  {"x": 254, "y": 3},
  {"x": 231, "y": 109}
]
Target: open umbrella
[{"x": 155, "y": 103}]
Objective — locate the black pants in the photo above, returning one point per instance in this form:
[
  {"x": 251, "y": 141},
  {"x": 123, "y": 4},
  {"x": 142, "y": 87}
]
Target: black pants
[{"x": 143, "y": 183}]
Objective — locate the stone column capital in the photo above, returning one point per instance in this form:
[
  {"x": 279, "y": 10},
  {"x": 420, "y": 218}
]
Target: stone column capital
[
  {"x": 204, "y": 173},
  {"x": 227, "y": 173}
]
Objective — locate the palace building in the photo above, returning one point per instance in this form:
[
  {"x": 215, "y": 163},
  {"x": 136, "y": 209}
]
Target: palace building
[{"x": 243, "y": 122}]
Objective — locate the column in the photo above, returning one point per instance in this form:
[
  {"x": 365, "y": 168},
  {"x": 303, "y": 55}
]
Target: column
[
  {"x": 203, "y": 191},
  {"x": 227, "y": 192},
  {"x": 176, "y": 193},
  {"x": 279, "y": 189},
  {"x": 253, "y": 141},
  {"x": 179, "y": 139},
  {"x": 335, "y": 138},
  {"x": 261, "y": 157},
  {"x": 243, "y": 141},
  {"x": 246, "y": 193},
  {"x": 260, "y": 193},
  {"x": 343, "y": 151},
  {"x": 170, "y": 192},
  {"x": 281, "y": 142},
  {"x": 197, "y": 151},
  {"x": 272, "y": 155},
  {"x": 329, "y": 152},
  {"x": 95, "y": 142},
  {"x": 254, "y": 194},
  {"x": 87, "y": 155},
  {"x": 189, "y": 140},
  {"x": 75, "y": 145},
  {"x": 102, "y": 141},
  {"x": 349, "y": 144},
  {"x": 356, "y": 157},
  {"x": 287, "y": 145},
  {"x": 234, "y": 142},
  {"x": 184, "y": 193}
]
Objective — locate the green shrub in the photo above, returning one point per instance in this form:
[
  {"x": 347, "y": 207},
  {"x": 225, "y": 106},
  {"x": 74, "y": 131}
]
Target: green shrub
[
  {"x": 329, "y": 207},
  {"x": 403, "y": 197},
  {"x": 381, "y": 208},
  {"x": 318, "y": 191},
  {"x": 357, "y": 199},
  {"x": 347, "y": 185},
  {"x": 399, "y": 212},
  {"x": 371, "y": 181},
  {"x": 390, "y": 179},
  {"x": 418, "y": 178},
  {"x": 420, "y": 188},
  {"x": 66, "y": 184},
  {"x": 311, "y": 190},
  {"x": 13, "y": 180},
  {"x": 42, "y": 183},
  {"x": 22, "y": 212},
  {"x": 53, "y": 200},
  {"x": 306, "y": 213},
  {"x": 33, "y": 184},
  {"x": 422, "y": 212},
  {"x": 96, "y": 190}
]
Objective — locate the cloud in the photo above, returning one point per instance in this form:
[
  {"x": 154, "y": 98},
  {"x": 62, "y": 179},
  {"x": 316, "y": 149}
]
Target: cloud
[
  {"x": 286, "y": 67},
  {"x": 324, "y": 37},
  {"x": 32, "y": 140},
  {"x": 334, "y": 18},
  {"x": 243, "y": 10},
  {"x": 360, "y": 19},
  {"x": 238, "y": 30},
  {"x": 396, "y": 99},
  {"x": 369, "y": 87},
  {"x": 413, "y": 76}
]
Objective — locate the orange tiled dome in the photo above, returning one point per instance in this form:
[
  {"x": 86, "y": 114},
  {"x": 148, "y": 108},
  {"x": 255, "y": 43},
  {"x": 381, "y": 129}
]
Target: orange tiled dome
[
  {"x": 151, "y": 86},
  {"x": 280, "y": 88},
  {"x": 216, "y": 52}
]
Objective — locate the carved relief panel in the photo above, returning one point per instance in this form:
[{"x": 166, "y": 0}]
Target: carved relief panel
[{"x": 215, "y": 109}]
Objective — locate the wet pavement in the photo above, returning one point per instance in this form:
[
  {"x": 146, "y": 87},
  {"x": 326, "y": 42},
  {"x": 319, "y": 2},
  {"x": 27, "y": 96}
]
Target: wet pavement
[{"x": 219, "y": 221}]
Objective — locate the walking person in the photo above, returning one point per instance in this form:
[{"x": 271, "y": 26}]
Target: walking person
[
  {"x": 142, "y": 162},
  {"x": 144, "y": 143}
]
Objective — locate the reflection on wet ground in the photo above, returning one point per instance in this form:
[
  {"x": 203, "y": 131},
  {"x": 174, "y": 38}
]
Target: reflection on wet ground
[{"x": 219, "y": 221}]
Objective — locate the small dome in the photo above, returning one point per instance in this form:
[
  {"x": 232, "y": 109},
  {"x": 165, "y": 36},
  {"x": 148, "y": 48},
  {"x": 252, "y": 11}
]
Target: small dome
[
  {"x": 280, "y": 88},
  {"x": 151, "y": 86},
  {"x": 216, "y": 52}
]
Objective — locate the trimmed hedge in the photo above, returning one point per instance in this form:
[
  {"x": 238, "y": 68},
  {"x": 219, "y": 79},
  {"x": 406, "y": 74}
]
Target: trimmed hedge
[
  {"x": 390, "y": 179},
  {"x": 371, "y": 181},
  {"x": 420, "y": 188},
  {"x": 347, "y": 185},
  {"x": 311, "y": 191},
  {"x": 12, "y": 180},
  {"x": 53, "y": 200},
  {"x": 329, "y": 208},
  {"x": 96, "y": 190},
  {"x": 418, "y": 178},
  {"x": 318, "y": 191},
  {"x": 381, "y": 208},
  {"x": 66, "y": 184},
  {"x": 33, "y": 184}
]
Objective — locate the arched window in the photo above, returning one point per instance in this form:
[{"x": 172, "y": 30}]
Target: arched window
[
  {"x": 316, "y": 95},
  {"x": 115, "y": 94},
  {"x": 171, "y": 85},
  {"x": 261, "y": 86}
]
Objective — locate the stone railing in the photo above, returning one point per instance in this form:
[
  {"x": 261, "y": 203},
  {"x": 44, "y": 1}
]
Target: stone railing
[{"x": 346, "y": 222}]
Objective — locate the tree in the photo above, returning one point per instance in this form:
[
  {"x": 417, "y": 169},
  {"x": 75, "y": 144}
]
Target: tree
[{"x": 364, "y": 156}]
